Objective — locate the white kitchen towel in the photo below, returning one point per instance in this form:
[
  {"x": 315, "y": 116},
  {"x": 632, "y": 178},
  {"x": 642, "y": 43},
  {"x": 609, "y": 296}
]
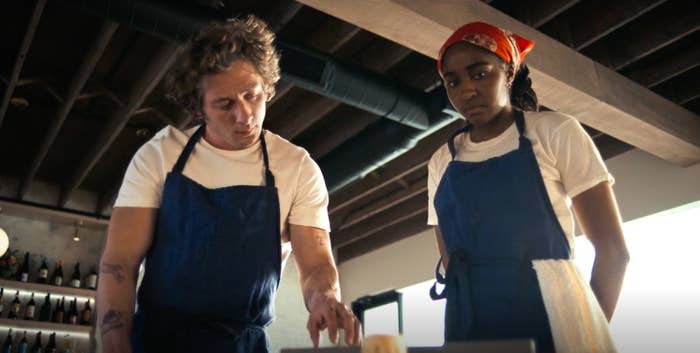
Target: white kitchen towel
[{"x": 578, "y": 323}]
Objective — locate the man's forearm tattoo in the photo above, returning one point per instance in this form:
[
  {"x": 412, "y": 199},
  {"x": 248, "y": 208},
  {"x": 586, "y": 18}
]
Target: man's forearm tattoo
[
  {"x": 116, "y": 270},
  {"x": 112, "y": 320}
]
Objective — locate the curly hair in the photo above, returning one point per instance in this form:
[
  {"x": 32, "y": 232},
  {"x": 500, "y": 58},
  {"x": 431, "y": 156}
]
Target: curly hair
[{"x": 214, "y": 49}]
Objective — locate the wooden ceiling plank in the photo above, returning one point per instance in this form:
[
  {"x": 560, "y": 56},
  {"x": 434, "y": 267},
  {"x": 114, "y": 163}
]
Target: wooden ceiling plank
[
  {"x": 154, "y": 71},
  {"x": 409, "y": 227},
  {"x": 417, "y": 204},
  {"x": 280, "y": 13},
  {"x": 405, "y": 164},
  {"x": 76, "y": 85},
  {"x": 678, "y": 64},
  {"x": 601, "y": 18},
  {"x": 564, "y": 79},
  {"x": 21, "y": 56},
  {"x": 361, "y": 214}
]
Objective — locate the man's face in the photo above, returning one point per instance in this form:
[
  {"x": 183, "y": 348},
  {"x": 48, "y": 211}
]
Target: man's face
[{"x": 233, "y": 105}]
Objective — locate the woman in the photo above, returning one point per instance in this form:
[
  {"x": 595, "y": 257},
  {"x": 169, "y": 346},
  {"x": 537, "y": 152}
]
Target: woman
[{"x": 499, "y": 194}]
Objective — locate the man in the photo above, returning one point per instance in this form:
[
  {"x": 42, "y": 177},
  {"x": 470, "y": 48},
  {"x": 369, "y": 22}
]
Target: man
[{"x": 216, "y": 211}]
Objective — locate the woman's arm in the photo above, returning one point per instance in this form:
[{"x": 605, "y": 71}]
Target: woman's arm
[{"x": 598, "y": 216}]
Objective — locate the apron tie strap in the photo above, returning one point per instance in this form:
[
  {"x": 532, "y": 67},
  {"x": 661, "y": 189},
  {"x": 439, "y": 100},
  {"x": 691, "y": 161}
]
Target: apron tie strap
[{"x": 459, "y": 309}]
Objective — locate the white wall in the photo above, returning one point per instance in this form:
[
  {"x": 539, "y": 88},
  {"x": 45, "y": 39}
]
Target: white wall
[{"x": 644, "y": 185}]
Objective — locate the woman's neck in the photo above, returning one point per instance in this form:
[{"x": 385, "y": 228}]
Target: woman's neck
[{"x": 493, "y": 128}]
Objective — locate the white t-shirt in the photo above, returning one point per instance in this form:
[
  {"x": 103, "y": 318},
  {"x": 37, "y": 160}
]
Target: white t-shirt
[
  {"x": 302, "y": 192},
  {"x": 569, "y": 161}
]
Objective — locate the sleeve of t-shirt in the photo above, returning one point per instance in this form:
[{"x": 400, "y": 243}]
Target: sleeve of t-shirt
[
  {"x": 143, "y": 182},
  {"x": 435, "y": 171},
  {"x": 310, "y": 203},
  {"x": 578, "y": 160}
]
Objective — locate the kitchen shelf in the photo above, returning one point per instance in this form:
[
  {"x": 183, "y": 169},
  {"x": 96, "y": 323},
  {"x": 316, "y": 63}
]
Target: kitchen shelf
[
  {"x": 45, "y": 326},
  {"x": 42, "y": 289}
]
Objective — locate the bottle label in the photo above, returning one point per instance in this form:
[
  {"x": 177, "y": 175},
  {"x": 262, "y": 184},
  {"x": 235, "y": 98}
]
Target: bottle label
[
  {"x": 43, "y": 273},
  {"x": 24, "y": 277},
  {"x": 15, "y": 308},
  {"x": 92, "y": 281},
  {"x": 87, "y": 316},
  {"x": 58, "y": 281},
  {"x": 73, "y": 319},
  {"x": 30, "y": 312},
  {"x": 75, "y": 283}
]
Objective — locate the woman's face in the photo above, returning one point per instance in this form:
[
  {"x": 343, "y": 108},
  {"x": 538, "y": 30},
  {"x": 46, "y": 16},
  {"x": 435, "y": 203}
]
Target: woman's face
[{"x": 475, "y": 81}]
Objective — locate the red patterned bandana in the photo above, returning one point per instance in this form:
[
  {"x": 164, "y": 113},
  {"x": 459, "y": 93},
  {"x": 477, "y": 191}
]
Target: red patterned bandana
[{"x": 508, "y": 46}]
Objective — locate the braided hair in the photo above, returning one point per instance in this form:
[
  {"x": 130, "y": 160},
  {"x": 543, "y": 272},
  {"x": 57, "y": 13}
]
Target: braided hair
[{"x": 522, "y": 96}]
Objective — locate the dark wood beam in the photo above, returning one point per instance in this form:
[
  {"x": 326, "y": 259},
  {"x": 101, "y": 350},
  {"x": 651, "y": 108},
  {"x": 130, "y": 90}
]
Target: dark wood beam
[
  {"x": 280, "y": 13},
  {"x": 347, "y": 122},
  {"x": 668, "y": 68},
  {"x": 589, "y": 21},
  {"x": 361, "y": 214},
  {"x": 544, "y": 11},
  {"x": 377, "y": 223},
  {"x": 86, "y": 67},
  {"x": 388, "y": 174},
  {"x": 155, "y": 69},
  {"x": 408, "y": 227},
  {"x": 21, "y": 55},
  {"x": 644, "y": 36}
]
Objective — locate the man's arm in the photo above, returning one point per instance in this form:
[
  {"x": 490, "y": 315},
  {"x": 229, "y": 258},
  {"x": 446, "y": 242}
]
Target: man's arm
[
  {"x": 319, "y": 285},
  {"x": 596, "y": 210},
  {"x": 129, "y": 237}
]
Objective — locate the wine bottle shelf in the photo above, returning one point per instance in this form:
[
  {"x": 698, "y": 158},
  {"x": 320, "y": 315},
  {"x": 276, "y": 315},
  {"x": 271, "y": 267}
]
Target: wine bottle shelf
[
  {"x": 46, "y": 288},
  {"x": 45, "y": 326}
]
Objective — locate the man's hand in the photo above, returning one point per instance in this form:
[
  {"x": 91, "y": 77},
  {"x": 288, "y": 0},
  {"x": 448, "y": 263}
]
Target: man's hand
[{"x": 328, "y": 313}]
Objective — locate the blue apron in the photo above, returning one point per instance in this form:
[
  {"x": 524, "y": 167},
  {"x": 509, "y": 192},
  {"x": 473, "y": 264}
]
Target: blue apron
[
  {"x": 495, "y": 218},
  {"x": 213, "y": 268}
]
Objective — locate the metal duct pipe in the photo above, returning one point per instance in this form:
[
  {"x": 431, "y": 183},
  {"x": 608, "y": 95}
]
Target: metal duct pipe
[
  {"x": 167, "y": 20},
  {"x": 354, "y": 86},
  {"x": 380, "y": 143}
]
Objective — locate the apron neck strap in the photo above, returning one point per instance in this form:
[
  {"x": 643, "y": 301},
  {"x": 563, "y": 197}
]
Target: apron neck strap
[
  {"x": 180, "y": 165},
  {"x": 518, "y": 116},
  {"x": 269, "y": 178},
  {"x": 185, "y": 155}
]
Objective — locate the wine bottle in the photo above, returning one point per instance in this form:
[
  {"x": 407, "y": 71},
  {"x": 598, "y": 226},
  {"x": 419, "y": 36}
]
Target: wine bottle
[
  {"x": 43, "y": 272},
  {"x": 72, "y": 317},
  {"x": 45, "y": 311},
  {"x": 75, "y": 279},
  {"x": 23, "y": 275},
  {"x": 23, "y": 345},
  {"x": 86, "y": 315},
  {"x": 30, "y": 309},
  {"x": 7, "y": 346},
  {"x": 2, "y": 301},
  {"x": 15, "y": 307},
  {"x": 58, "y": 312},
  {"x": 92, "y": 278},
  {"x": 37, "y": 348},
  {"x": 57, "y": 278},
  {"x": 51, "y": 346}
]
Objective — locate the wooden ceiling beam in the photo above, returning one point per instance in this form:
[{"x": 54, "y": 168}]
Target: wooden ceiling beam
[
  {"x": 85, "y": 69},
  {"x": 668, "y": 68},
  {"x": 643, "y": 37},
  {"x": 592, "y": 20},
  {"x": 405, "y": 164},
  {"x": 20, "y": 57},
  {"x": 280, "y": 13},
  {"x": 347, "y": 122},
  {"x": 361, "y": 214},
  {"x": 534, "y": 13},
  {"x": 564, "y": 80},
  {"x": 401, "y": 230},
  {"x": 378, "y": 222},
  {"x": 155, "y": 69}
]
